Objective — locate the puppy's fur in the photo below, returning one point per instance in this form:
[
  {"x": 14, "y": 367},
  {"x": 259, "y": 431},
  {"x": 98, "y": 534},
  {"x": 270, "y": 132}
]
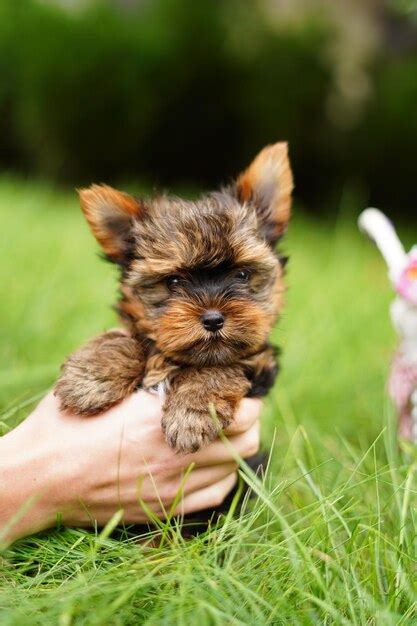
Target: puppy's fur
[{"x": 182, "y": 262}]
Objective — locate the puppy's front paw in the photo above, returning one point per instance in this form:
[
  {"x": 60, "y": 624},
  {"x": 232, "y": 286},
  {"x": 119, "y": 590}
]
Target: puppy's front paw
[
  {"x": 187, "y": 430},
  {"x": 101, "y": 373},
  {"x": 84, "y": 397}
]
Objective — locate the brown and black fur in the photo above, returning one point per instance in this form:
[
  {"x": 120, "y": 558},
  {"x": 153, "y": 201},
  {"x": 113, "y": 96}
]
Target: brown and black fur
[{"x": 178, "y": 260}]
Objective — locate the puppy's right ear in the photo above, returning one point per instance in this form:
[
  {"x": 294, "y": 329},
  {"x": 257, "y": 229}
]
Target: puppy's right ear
[{"x": 110, "y": 214}]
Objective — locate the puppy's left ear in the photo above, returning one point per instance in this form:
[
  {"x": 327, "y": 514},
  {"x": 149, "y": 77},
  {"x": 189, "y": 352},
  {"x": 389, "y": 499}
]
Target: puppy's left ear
[
  {"x": 110, "y": 214},
  {"x": 267, "y": 184}
]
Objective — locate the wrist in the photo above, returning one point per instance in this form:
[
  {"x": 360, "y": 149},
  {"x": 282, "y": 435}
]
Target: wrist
[{"x": 25, "y": 485}]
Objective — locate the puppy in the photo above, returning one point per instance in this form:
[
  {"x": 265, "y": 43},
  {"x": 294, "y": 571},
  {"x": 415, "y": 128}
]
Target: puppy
[{"x": 200, "y": 289}]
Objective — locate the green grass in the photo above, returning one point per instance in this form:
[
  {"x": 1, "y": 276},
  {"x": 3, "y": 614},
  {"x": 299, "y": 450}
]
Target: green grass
[{"x": 331, "y": 537}]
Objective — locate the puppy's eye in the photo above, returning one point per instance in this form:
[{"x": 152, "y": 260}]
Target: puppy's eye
[
  {"x": 243, "y": 275},
  {"x": 172, "y": 281}
]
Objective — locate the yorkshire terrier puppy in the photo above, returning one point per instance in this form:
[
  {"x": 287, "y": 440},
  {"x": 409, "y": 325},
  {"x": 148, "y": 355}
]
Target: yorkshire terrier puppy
[{"x": 200, "y": 289}]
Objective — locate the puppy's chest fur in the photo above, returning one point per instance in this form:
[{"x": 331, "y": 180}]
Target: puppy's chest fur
[{"x": 260, "y": 370}]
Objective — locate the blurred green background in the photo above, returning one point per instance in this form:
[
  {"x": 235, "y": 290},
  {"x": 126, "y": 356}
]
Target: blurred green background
[{"x": 184, "y": 93}]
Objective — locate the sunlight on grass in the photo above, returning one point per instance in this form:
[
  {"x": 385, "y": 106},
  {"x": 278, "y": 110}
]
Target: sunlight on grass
[{"x": 331, "y": 535}]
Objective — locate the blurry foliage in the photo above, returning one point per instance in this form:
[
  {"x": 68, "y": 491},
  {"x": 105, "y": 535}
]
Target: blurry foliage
[
  {"x": 408, "y": 6},
  {"x": 178, "y": 91},
  {"x": 389, "y": 163}
]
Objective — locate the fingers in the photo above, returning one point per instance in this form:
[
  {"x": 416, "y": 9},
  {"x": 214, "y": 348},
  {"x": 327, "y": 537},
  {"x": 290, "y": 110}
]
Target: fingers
[
  {"x": 205, "y": 488},
  {"x": 141, "y": 412},
  {"x": 140, "y": 403},
  {"x": 243, "y": 445},
  {"x": 249, "y": 410},
  {"x": 207, "y": 498},
  {"x": 199, "y": 479}
]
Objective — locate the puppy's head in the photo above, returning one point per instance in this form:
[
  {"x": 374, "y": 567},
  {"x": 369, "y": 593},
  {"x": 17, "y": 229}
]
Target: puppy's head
[{"x": 200, "y": 278}]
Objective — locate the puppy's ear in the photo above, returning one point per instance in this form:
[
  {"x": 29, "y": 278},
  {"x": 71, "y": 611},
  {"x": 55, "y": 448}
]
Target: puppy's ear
[
  {"x": 267, "y": 185},
  {"x": 110, "y": 213}
]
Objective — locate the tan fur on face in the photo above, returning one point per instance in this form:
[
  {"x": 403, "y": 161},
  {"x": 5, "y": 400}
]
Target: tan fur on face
[
  {"x": 175, "y": 324},
  {"x": 182, "y": 337}
]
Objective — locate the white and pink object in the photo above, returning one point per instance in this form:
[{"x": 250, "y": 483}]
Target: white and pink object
[{"x": 402, "y": 271}]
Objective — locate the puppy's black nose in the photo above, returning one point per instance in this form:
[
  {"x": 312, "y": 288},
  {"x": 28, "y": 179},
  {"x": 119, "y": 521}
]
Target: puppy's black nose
[{"x": 212, "y": 320}]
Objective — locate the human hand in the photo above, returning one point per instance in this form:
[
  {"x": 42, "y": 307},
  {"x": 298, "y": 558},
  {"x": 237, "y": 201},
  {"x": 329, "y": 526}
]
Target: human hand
[{"x": 86, "y": 469}]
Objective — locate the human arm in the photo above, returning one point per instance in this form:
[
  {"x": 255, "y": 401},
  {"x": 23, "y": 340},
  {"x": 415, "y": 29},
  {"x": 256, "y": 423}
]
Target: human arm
[{"x": 85, "y": 469}]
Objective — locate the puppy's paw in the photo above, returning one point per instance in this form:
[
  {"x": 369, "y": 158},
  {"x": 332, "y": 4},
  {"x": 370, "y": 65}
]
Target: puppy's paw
[
  {"x": 82, "y": 396},
  {"x": 187, "y": 430},
  {"x": 101, "y": 373}
]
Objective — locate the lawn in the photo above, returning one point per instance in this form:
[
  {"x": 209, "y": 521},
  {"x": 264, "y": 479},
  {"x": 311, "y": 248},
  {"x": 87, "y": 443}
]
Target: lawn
[{"x": 331, "y": 536}]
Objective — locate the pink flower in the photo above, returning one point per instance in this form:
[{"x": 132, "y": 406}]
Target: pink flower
[{"x": 406, "y": 285}]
